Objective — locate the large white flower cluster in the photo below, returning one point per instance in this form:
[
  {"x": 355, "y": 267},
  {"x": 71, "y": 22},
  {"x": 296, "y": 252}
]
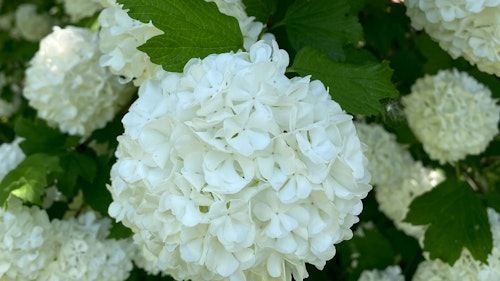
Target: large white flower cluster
[
  {"x": 468, "y": 28},
  {"x": 121, "y": 35},
  {"x": 391, "y": 273},
  {"x": 388, "y": 161},
  {"x": 34, "y": 248},
  {"x": 452, "y": 115},
  {"x": 31, "y": 25},
  {"x": 466, "y": 267},
  {"x": 11, "y": 155},
  {"x": 232, "y": 171},
  {"x": 68, "y": 87}
]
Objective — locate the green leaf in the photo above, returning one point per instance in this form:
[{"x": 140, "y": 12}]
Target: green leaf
[
  {"x": 96, "y": 194},
  {"x": 357, "y": 88},
  {"x": 260, "y": 9},
  {"x": 119, "y": 231},
  {"x": 456, "y": 219},
  {"x": 192, "y": 29},
  {"x": 76, "y": 165},
  {"x": 38, "y": 136},
  {"x": 325, "y": 25},
  {"x": 29, "y": 179}
]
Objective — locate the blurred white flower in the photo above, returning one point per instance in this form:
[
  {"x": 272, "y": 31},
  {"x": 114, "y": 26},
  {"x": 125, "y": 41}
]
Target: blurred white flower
[
  {"x": 231, "y": 170},
  {"x": 26, "y": 244},
  {"x": 468, "y": 28},
  {"x": 121, "y": 35},
  {"x": 394, "y": 201},
  {"x": 80, "y": 9},
  {"x": 68, "y": 87},
  {"x": 31, "y": 25},
  {"x": 452, "y": 115},
  {"x": 388, "y": 161},
  {"x": 466, "y": 267},
  {"x": 11, "y": 155},
  {"x": 391, "y": 273}
]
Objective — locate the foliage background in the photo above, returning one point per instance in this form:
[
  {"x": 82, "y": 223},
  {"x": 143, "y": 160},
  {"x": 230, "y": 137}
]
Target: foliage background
[{"x": 365, "y": 50}]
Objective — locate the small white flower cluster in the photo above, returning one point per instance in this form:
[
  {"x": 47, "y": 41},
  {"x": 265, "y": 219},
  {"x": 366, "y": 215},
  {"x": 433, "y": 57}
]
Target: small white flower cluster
[
  {"x": 68, "y": 87},
  {"x": 388, "y": 161},
  {"x": 391, "y": 273},
  {"x": 11, "y": 155},
  {"x": 398, "y": 178},
  {"x": 466, "y": 267},
  {"x": 452, "y": 115},
  {"x": 231, "y": 170},
  {"x": 394, "y": 201},
  {"x": 80, "y": 9},
  {"x": 121, "y": 35},
  {"x": 468, "y": 28},
  {"x": 33, "y": 248},
  {"x": 30, "y": 25}
]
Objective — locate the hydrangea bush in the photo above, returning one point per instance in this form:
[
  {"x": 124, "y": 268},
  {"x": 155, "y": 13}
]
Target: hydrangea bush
[{"x": 249, "y": 140}]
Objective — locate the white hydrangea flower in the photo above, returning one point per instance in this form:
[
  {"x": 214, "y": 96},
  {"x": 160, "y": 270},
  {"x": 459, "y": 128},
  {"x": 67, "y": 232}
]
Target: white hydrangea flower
[
  {"x": 391, "y": 273},
  {"x": 83, "y": 253},
  {"x": 394, "y": 201},
  {"x": 121, "y": 35},
  {"x": 388, "y": 161},
  {"x": 231, "y": 170},
  {"x": 466, "y": 267},
  {"x": 26, "y": 244},
  {"x": 68, "y": 87},
  {"x": 80, "y": 9},
  {"x": 31, "y": 25},
  {"x": 468, "y": 28},
  {"x": 452, "y": 115},
  {"x": 11, "y": 155}
]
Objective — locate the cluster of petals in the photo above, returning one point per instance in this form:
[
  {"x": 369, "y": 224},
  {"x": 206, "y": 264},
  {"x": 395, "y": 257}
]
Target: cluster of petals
[
  {"x": 34, "y": 248},
  {"x": 11, "y": 155},
  {"x": 388, "y": 161},
  {"x": 390, "y": 273},
  {"x": 232, "y": 171},
  {"x": 466, "y": 267},
  {"x": 68, "y": 87},
  {"x": 394, "y": 201},
  {"x": 452, "y": 115},
  {"x": 29, "y": 24},
  {"x": 468, "y": 28},
  {"x": 121, "y": 35}
]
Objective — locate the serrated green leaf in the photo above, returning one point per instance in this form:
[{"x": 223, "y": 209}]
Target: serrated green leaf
[
  {"x": 456, "y": 219},
  {"x": 325, "y": 25},
  {"x": 192, "y": 29},
  {"x": 357, "y": 88},
  {"x": 29, "y": 179},
  {"x": 260, "y": 9}
]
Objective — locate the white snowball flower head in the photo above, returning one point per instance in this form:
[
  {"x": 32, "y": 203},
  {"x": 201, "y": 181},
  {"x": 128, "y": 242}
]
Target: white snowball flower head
[
  {"x": 68, "y": 87},
  {"x": 394, "y": 200},
  {"x": 468, "y": 28},
  {"x": 391, "y": 273},
  {"x": 82, "y": 252},
  {"x": 232, "y": 171},
  {"x": 11, "y": 155},
  {"x": 121, "y": 35},
  {"x": 80, "y": 9},
  {"x": 388, "y": 161},
  {"x": 452, "y": 115},
  {"x": 25, "y": 242},
  {"x": 466, "y": 267},
  {"x": 31, "y": 25}
]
